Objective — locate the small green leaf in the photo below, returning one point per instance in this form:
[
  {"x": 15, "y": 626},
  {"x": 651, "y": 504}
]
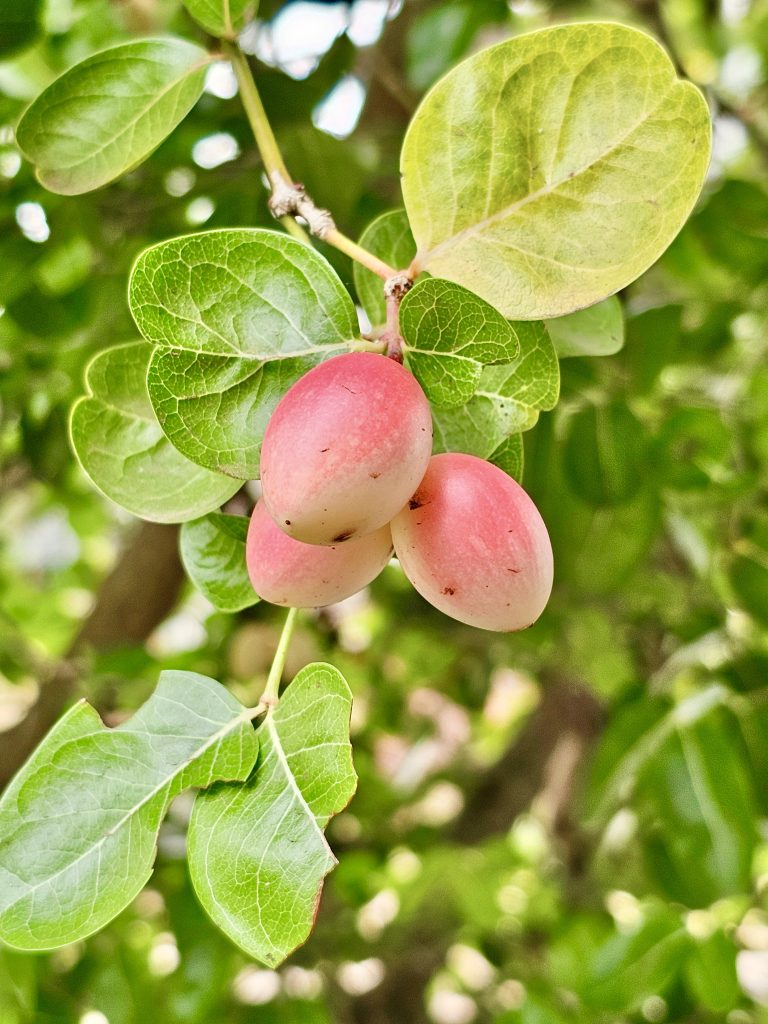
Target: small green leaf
[
  {"x": 213, "y": 553},
  {"x": 533, "y": 378},
  {"x": 237, "y": 316},
  {"x": 510, "y": 456},
  {"x": 104, "y": 116},
  {"x": 19, "y": 25},
  {"x": 79, "y": 822},
  {"x": 549, "y": 171},
  {"x": 121, "y": 447},
  {"x": 596, "y": 331},
  {"x": 222, "y": 18},
  {"x": 388, "y": 237},
  {"x": 507, "y": 401},
  {"x": 257, "y": 853},
  {"x": 482, "y": 425},
  {"x": 449, "y": 335}
]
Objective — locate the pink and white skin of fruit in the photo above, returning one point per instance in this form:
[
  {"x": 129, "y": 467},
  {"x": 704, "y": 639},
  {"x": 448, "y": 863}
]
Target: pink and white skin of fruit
[
  {"x": 286, "y": 572},
  {"x": 345, "y": 448},
  {"x": 473, "y": 544}
]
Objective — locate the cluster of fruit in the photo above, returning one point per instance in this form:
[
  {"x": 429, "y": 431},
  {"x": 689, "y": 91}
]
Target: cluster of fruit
[{"x": 348, "y": 476}]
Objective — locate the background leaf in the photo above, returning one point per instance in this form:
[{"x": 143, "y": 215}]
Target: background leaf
[
  {"x": 19, "y": 24},
  {"x": 450, "y": 334},
  {"x": 257, "y": 852},
  {"x": 595, "y": 331},
  {"x": 121, "y": 447},
  {"x": 388, "y": 237},
  {"x": 105, "y": 115},
  {"x": 213, "y": 553},
  {"x": 605, "y": 454},
  {"x": 237, "y": 316},
  {"x": 80, "y": 821},
  {"x": 593, "y": 157},
  {"x": 222, "y": 18}
]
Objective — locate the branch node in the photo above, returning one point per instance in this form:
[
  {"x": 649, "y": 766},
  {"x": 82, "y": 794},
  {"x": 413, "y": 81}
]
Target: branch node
[{"x": 290, "y": 199}]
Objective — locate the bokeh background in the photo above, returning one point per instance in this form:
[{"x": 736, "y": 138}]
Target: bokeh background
[{"x": 566, "y": 825}]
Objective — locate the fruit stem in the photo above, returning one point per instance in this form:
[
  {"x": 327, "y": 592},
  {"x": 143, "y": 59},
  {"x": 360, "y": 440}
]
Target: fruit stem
[
  {"x": 289, "y": 199},
  {"x": 270, "y": 696},
  {"x": 366, "y": 259},
  {"x": 396, "y": 288}
]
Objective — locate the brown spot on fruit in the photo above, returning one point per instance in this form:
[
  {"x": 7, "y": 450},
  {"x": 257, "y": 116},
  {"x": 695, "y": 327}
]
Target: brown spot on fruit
[
  {"x": 515, "y": 571},
  {"x": 448, "y": 590},
  {"x": 343, "y": 536},
  {"x": 325, "y": 449},
  {"x": 374, "y": 476},
  {"x": 287, "y": 522}
]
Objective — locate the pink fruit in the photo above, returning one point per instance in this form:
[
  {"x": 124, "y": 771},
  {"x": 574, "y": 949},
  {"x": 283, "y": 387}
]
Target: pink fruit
[
  {"x": 474, "y": 545},
  {"x": 284, "y": 571},
  {"x": 345, "y": 448}
]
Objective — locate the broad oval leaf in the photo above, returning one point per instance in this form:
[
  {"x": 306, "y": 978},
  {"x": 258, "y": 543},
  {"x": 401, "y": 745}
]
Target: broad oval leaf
[
  {"x": 222, "y": 18},
  {"x": 105, "y": 115},
  {"x": 595, "y": 331},
  {"x": 124, "y": 452},
  {"x": 450, "y": 334},
  {"x": 79, "y": 822},
  {"x": 549, "y": 171},
  {"x": 257, "y": 852},
  {"x": 213, "y": 553},
  {"x": 237, "y": 316},
  {"x": 388, "y": 237}
]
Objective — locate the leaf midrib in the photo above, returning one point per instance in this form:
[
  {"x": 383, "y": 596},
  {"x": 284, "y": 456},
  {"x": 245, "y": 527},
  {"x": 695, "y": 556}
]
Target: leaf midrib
[
  {"x": 130, "y": 125},
  {"x": 422, "y": 259},
  {"x": 215, "y": 738}
]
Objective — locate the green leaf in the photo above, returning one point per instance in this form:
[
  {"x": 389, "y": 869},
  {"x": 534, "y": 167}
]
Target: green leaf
[
  {"x": 605, "y": 454},
  {"x": 257, "y": 852},
  {"x": 237, "y": 316},
  {"x": 121, "y": 447},
  {"x": 533, "y": 378},
  {"x": 449, "y": 335},
  {"x": 510, "y": 456},
  {"x": 507, "y": 401},
  {"x": 388, "y": 237},
  {"x": 222, "y": 18},
  {"x": 693, "y": 811},
  {"x": 629, "y": 968},
  {"x": 481, "y": 426},
  {"x": 104, "y": 116},
  {"x": 213, "y": 553},
  {"x": 79, "y": 822},
  {"x": 711, "y": 973},
  {"x": 549, "y": 171},
  {"x": 596, "y": 331},
  {"x": 19, "y": 24}
]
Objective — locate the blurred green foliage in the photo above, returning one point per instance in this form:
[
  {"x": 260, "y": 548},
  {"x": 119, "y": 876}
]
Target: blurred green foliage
[{"x": 566, "y": 825}]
